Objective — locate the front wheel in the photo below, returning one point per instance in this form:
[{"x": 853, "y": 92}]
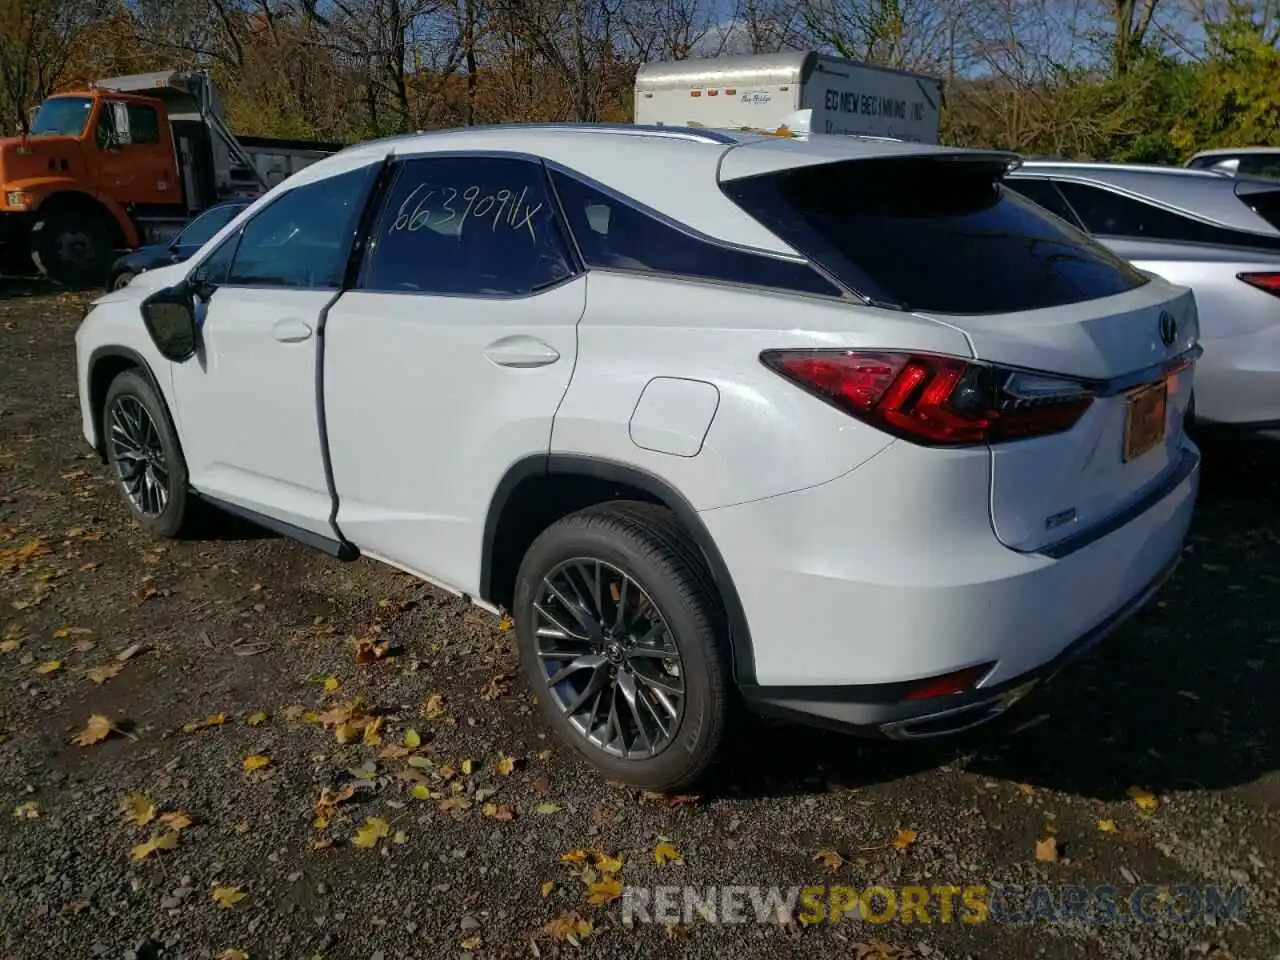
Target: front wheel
[
  {"x": 622, "y": 640},
  {"x": 142, "y": 449},
  {"x": 71, "y": 247}
]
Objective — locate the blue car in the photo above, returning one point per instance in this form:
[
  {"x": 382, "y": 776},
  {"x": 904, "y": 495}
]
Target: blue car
[{"x": 191, "y": 238}]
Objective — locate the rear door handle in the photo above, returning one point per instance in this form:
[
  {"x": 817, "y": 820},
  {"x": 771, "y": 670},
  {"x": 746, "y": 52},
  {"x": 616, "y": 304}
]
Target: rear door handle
[
  {"x": 291, "y": 331},
  {"x": 521, "y": 351}
]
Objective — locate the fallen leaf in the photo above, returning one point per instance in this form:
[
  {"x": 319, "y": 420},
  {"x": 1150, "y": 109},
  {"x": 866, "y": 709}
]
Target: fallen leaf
[
  {"x": 467, "y": 767},
  {"x": 434, "y": 707},
  {"x": 454, "y": 804},
  {"x": 374, "y": 829},
  {"x": 411, "y": 739},
  {"x": 139, "y": 808},
  {"x": 546, "y": 808},
  {"x": 367, "y": 651},
  {"x": 1143, "y": 798},
  {"x": 547, "y": 887},
  {"x": 176, "y": 819},
  {"x": 160, "y": 841},
  {"x": 29, "y": 810},
  {"x": 665, "y": 853},
  {"x": 49, "y": 667},
  {"x": 505, "y": 765},
  {"x": 216, "y": 720},
  {"x": 256, "y": 719},
  {"x": 540, "y": 785},
  {"x": 1107, "y": 826},
  {"x": 97, "y": 729},
  {"x": 226, "y": 896},
  {"x": 419, "y": 763},
  {"x": 544, "y": 754},
  {"x": 10, "y": 645},
  {"x": 604, "y": 891},
  {"x": 400, "y": 837},
  {"x": 254, "y": 762},
  {"x": 393, "y": 751},
  {"x": 496, "y": 687},
  {"x": 831, "y": 859},
  {"x": 904, "y": 839},
  {"x": 331, "y": 684},
  {"x": 499, "y": 811},
  {"x": 242, "y": 827},
  {"x": 346, "y": 732},
  {"x": 671, "y": 800},
  {"x": 373, "y": 732},
  {"x": 104, "y": 672},
  {"x": 505, "y": 624},
  {"x": 1026, "y": 789},
  {"x": 231, "y": 953},
  {"x": 420, "y": 791},
  {"x": 473, "y": 942},
  {"x": 570, "y": 928},
  {"x": 1047, "y": 849}
]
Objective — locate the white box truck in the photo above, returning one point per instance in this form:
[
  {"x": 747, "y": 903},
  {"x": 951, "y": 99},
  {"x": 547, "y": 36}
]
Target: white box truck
[{"x": 758, "y": 91}]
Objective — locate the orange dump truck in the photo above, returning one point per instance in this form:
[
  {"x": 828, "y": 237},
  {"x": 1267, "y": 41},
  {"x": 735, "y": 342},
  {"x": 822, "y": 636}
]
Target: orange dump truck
[{"x": 127, "y": 162}]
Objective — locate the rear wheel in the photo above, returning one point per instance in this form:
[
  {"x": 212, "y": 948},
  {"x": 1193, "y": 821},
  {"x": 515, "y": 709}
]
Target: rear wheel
[
  {"x": 71, "y": 246},
  {"x": 142, "y": 449},
  {"x": 121, "y": 280},
  {"x": 621, "y": 638}
]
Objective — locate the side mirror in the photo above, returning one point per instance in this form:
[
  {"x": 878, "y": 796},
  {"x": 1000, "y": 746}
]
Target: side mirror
[{"x": 171, "y": 321}]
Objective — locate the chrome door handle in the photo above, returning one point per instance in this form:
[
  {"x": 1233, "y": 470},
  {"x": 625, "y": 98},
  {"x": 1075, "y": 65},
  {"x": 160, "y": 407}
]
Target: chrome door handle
[
  {"x": 521, "y": 351},
  {"x": 291, "y": 331}
]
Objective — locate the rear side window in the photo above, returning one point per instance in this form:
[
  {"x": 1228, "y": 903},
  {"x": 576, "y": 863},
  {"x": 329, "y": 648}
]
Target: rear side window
[
  {"x": 1044, "y": 193},
  {"x": 934, "y": 235},
  {"x": 467, "y": 226},
  {"x": 1111, "y": 214},
  {"x": 619, "y": 235},
  {"x": 1260, "y": 165},
  {"x": 200, "y": 230}
]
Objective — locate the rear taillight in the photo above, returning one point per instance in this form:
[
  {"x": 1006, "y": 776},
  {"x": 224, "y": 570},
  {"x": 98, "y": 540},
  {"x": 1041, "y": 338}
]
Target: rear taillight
[
  {"x": 936, "y": 400},
  {"x": 1269, "y": 282}
]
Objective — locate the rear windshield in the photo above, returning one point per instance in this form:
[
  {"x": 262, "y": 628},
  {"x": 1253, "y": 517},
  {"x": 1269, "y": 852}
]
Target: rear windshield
[{"x": 933, "y": 234}]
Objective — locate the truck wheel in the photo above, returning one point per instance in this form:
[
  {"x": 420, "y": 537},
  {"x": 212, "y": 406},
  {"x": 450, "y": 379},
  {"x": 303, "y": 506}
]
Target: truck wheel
[{"x": 71, "y": 247}]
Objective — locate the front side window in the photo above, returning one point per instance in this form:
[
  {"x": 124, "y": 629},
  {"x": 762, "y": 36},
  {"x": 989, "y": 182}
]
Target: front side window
[
  {"x": 201, "y": 230},
  {"x": 61, "y": 116},
  {"x": 1260, "y": 165},
  {"x": 467, "y": 226},
  {"x": 213, "y": 269},
  {"x": 617, "y": 235},
  {"x": 302, "y": 238},
  {"x": 933, "y": 234}
]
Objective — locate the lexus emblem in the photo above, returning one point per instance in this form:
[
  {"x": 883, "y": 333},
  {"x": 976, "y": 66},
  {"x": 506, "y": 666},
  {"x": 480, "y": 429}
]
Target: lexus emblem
[{"x": 1168, "y": 328}]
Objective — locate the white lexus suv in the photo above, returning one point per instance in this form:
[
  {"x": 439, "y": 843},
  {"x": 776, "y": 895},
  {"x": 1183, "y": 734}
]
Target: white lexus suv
[{"x": 840, "y": 429}]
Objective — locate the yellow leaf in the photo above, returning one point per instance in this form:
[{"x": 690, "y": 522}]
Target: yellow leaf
[
  {"x": 665, "y": 853},
  {"x": 467, "y": 767},
  {"x": 1107, "y": 826},
  {"x": 473, "y": 942},
  {"x": 434, "y": 707},
  {"x": 49, "y": 667},
  {"x": 346, "y": 732},
  {"x": 331, "y": 684},
  {"x": 10, "y": 645},
  {"x": 104, "y": 672},
  {"x": 499, "y": 811},
  {"x": 506, "y": 765},
  {"x": 256, "y": 719},
  {"x": 546, "y": 808},
  {"x": 373, "y": 732},
  {"x": 548, "y": 887},
  {"x": 1026, "y": 789},
  {"x": 95, "y": 731},
  {"x": 570, "y": 927},
  {"x": 454, "y": 804},
  {"x": 160, "y": 841},
  {"x": 30, "y": 810},
  {"x": 420, "y": 792},
  {"x": 904, "y": 839},
  {"x": 400, "y": 837},
  {"x": 411, "y": 739},
  {"x": 254, "y": 762},
  {"x": 604, "y": 891},
  {"x": 226, "y": 896},
  {"x": 374, "y": 829},
  {"x": 231, "y": 953},
  {"x": 1143, "y": 798},
  {"x": 216, "y": 720},
  {"x": 139, "y": 808},
  {"x": 1047, "y": 849},
  {"x": 176, "y": 820},
  {"x": 505, "y": 624}
]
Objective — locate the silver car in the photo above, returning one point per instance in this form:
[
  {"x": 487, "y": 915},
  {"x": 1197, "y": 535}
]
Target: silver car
[
  {"x": 1239, "y": 161},
  {"x": 1218, "y": 235}
]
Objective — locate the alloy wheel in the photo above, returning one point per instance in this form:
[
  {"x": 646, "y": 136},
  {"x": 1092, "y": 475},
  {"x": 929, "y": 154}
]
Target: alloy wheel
[
  {"x": 609, "y": 660},
  {"x": 139, "y": 456}
]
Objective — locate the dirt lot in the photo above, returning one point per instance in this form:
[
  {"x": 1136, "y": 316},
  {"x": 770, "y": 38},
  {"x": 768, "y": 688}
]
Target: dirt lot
[{"x": 1181, "y": 703}]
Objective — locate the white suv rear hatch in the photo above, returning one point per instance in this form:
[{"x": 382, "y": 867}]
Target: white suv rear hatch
[{"x": 935, "y": 234}]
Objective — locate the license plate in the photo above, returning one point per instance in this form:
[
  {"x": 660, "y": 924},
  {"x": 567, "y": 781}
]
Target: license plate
[{"x": 1144, "y": 419}]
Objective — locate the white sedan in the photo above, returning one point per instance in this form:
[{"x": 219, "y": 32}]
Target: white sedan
[{"x": 840, "y": 426}]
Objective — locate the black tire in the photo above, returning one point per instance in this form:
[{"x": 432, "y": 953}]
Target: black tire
[
  {"x": 645, "y": 543},
  {"x": 128, "y": 397},
  {"x": 121, "y": 280},
  {"x": 72, "y": 246}
]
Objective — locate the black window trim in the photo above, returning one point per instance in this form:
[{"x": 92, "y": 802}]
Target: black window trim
[
  {"x": 1048, "y": 181},
  {"x": 693, "y": 233},
  {"x": 396, "y": 162},
  {"x": 375, "y": 167},
  {"x": 1163, "y": 208}
]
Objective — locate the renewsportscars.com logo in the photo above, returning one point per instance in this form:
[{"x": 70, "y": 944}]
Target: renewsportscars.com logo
[{"x": 971, "y": 904}]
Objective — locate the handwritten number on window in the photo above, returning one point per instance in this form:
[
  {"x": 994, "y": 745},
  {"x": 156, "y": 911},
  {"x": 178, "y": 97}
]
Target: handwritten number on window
[{"x": 503, "y": 209}]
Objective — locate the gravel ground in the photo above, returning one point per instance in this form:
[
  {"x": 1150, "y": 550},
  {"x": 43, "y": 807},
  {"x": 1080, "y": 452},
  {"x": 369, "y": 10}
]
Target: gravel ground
[{"x": 220, "y": 630}]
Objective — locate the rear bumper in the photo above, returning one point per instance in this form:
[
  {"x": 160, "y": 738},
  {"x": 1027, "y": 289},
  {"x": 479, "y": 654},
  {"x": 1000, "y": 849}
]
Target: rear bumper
[{"x": 863, "y": 591}]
